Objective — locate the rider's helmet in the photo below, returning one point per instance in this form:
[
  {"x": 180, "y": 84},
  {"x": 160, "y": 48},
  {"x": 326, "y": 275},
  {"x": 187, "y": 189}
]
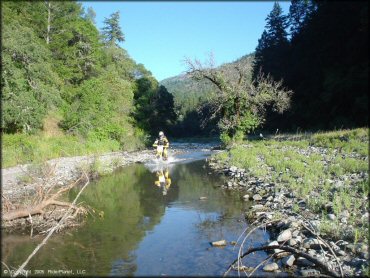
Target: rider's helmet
[{"x": 161, "y": 133}]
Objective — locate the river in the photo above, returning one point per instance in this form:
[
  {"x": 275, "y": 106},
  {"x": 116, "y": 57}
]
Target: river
[{"x": 149, "y": 220}]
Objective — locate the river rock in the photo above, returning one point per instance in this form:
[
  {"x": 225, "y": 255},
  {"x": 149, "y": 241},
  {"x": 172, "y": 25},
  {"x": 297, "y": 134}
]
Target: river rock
[
  {"x": 313, "y": 243},
  {"x": 331, "y": 216},
  {"x": 258, "y": 207},
  {"x": 272, "y": 243},
  {"x": 344, "y": 213},
  {"x": 257, "y": 197},
  {"x": 219, "y": 243},
  {"x": 288, "y": 261},
  {"x": 242, "y": 183},
  {"x": 282, "y": 255},
  {"x": 341, "y": 253},
  {"x": 233, "y": 169},
  {"x": 292, "y": 242},
  {"x": 295, "y": 233},
  {"x": 304, "y": 262},
  {"x": 365, "y": 216},
  {"x": 284, "y": 235},
  {"x": 246, "y": 197},
  {"x": 271, "y": 267},
  {"x": 310, "y": 273},
  {"x": 316, "y": 224}
]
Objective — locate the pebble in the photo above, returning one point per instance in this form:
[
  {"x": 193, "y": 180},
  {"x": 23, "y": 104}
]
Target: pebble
[
  {"x": 292, "y": 242},
  {"x": 219, "y": 243},
  {"x": 246, "y": 197},
  {"x": 288, "y": 261},
  {"x": 233, "y": 169},
  {"x": 275, "y": 243},
  {"x": 304, "y": 262},
  {"x": 313, "y": 243},
  {"x": 295, "y": 233},
  {"x": 271, "y": 267},
  {"x": 344, "y": 213},
  {"x": 331, "y": 217},
  {"x": 258, "y": 207},
  {"x": 257, "y": 197},
  {"x": 341, "y": 253},
  {"x": 284, "y": 235}
]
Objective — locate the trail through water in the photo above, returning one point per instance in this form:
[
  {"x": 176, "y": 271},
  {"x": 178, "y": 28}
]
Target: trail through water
[{"x": 152, "y": 221}]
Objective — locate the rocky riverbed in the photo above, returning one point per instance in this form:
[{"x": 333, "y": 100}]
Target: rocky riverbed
[
  {"x": 21, "y": 180},
  {"x": 24, "y": 185},
  {"x": 291, "y": 223}
]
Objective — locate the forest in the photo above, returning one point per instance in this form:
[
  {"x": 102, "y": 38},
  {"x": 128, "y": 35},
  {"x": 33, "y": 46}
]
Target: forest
[
  {"x": 63, "y": 78},
  {"x": 318, "y": 51}
]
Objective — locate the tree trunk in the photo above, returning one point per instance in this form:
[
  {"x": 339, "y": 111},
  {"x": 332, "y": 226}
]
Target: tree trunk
[{"x": 48, "y": 23}]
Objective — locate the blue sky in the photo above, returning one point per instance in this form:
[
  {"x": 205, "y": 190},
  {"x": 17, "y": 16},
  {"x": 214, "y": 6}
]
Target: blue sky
[{"x": 161, "y": 34}]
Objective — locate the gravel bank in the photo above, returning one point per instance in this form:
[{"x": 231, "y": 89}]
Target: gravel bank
[{"x": 293, "y": 224}]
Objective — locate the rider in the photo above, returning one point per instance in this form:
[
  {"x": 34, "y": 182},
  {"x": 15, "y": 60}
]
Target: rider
[{"x": 162, "y": 145}]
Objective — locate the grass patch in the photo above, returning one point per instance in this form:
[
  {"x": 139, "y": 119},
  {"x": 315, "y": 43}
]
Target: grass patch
[
  {"x": 23, "y": 148},
  {"x": 302, "y": 169}
]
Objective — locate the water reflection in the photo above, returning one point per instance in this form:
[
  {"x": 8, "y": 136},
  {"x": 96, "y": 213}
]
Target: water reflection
[
  {"x": 163, "y": 180},
  {"x": 144, "y": 230}
]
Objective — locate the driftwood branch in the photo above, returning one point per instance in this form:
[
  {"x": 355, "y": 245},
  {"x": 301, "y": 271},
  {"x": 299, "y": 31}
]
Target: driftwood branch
[
  {"x": 292, "y": 250},
  {"x": 39, "y": 208},
  {"x": 21, "y": 268}
]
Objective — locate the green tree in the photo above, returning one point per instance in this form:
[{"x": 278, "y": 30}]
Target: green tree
[
  {"x": 112, "y": 31},
  {"x": 29, "y": 85},
  {"x": 239, "y": 104},
  {"x": 300, "y": 12},
  {"x": 272, "y": 46},
  {"x": 101, "y": 108},
  {"x": 163, "y": 114},
  {"x": 90, "y": 15},
  {"x": 154, "y": 106}
]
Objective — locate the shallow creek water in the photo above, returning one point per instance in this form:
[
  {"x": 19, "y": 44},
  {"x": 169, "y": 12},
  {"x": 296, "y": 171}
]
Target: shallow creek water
[{"x": 146, "y": 224}]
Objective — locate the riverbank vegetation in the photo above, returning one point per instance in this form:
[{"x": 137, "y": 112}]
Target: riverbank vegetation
[
  {"x": 318, "y": 51},
  {"x": 328, "y": 171},
  {"x": 71, "y": 89}
]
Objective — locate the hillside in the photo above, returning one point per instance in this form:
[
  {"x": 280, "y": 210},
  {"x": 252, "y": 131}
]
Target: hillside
[
  {"x": 183, "y": 87},
  {"x": 188, "y": 94}
]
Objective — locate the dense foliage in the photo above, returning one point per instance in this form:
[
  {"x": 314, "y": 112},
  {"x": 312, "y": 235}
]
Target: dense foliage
[
  {"x": 55, "y": 61},
  {"x": 238, "y": 104},
  {"x": 193, "y": 100},
  {"x": 319, "y": 51},
  {"x": 324, "y": 60}
]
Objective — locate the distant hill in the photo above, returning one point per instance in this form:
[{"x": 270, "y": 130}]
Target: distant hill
[{"x": 189, "y": 93}]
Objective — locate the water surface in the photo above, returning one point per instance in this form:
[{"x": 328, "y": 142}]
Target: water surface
[{"x": 147, "y": 228}]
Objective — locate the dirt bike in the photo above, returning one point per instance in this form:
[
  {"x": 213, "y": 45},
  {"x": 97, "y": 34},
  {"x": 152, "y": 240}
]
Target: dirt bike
[{"x": 161, "y": 153}]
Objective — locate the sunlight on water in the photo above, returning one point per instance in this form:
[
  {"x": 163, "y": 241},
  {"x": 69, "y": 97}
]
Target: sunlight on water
[{"x": 154, "y": 223}]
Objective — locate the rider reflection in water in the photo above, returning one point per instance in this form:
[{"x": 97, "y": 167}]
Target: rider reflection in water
[{"x": 164, "y": 180}]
